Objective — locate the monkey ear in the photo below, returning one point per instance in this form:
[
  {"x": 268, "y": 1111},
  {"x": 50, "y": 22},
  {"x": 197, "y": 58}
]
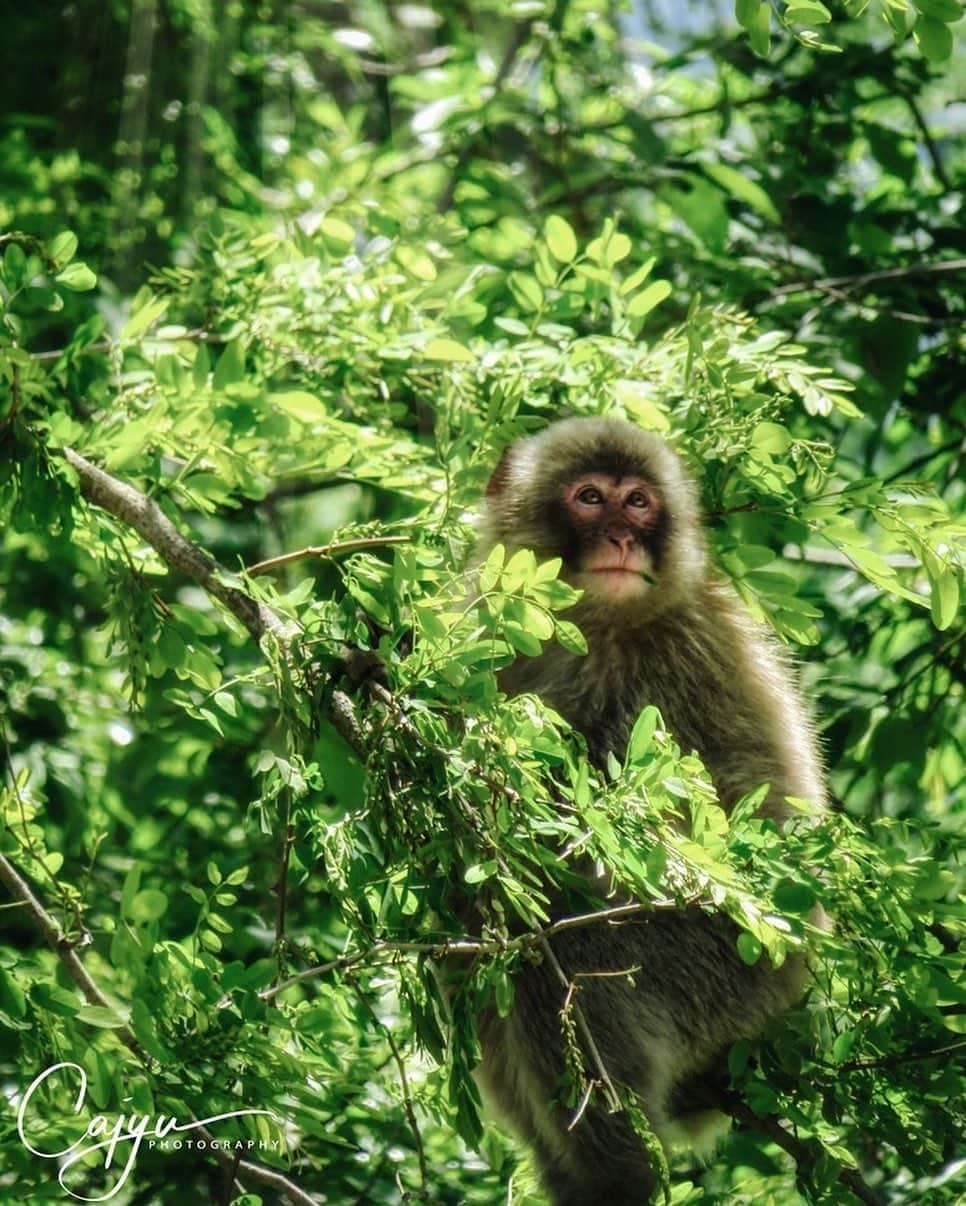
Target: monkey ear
[{"x": 500, "y": 477}]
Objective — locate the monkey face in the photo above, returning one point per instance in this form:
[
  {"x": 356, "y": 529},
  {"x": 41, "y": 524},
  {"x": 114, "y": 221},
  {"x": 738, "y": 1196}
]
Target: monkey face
[
  {"x": 614, "y": 524},
  {"x": 616, "y": 504}
]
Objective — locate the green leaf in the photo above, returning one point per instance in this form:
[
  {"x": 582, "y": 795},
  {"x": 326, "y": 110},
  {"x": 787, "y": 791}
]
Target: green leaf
[
  {"x": 522, "y": 640},
  {"x": 148, "y": 905},
  {"x": 301, "y": 405},
  {"x": 526, "y": 291},
  {"x": 145, "y": 1030},
  {"x": 638, "y": 277},
  {"x": 934, "y": 39},
  {"x": 502, "y": 992},
  {"x": 536, "y": 620},
  {"x": 791, "y": 897},
  {"x": 417, "y": 262},
  {"x": 201, "y": 367},
  {"x": 132, "y": 882},
  {"x": 949, "y": 11},
  {"x": 62, "y": 248},
  {"x": 642, "y": 303},
  {"x": 641, "y": 736},
  {"x": 98, "y": 1015},
  {"x": 143, "y": 318},
  {"x": 12, "y": 999},
  {"x": 570, "y": 637},
  {"x": 771, "y": 438},
  {"x": 738, "y": 1057},
  {"x": 519, "y": 570},
  {"x": 231, "y": 365},
  {"x": 759, "y": 31},
  {"x": 479, "y": 872},
  {"x": 560, "y": 238},
  {"x": 808, "y": 12},
  {"x": 842, "y": 1047},
  {"x": 610, "y": 248},
  {"x": 55, "y": 999},
  {"x": 749, "y": 948},
  {"x": 741, "y": 187},
  {"x": 745, "y": 12},
  {"x": 337, "y": 231},
  {"x": 14, "y": 265},
  {"x": 448, "y": 350},
  {"x": 77, "y": 277},
  {"x": 944, "y": 602}
]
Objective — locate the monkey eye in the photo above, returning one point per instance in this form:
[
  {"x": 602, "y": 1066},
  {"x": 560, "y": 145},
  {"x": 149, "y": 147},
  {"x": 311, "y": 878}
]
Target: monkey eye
[
  {"x": 637, "y": 498},
  {"x": 590, "y": 495}
]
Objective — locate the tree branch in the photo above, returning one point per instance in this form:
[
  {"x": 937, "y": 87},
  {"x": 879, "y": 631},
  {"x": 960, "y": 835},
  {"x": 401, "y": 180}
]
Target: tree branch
[
  {"x": 583, "y": 1026},
  {"x": 143, "y": 514},
  {"x": 55, "y": 938},
  {"x": 447, "y": 947},
  {"x": 408, "y": 1105},
  {"x": 932, "y": 150},
  {"x": 336, "y": 548},
  {"x": 870, "y": 278},
  {"x": 903, "y": 1057},
  {"x": 771, "y": 1127}
]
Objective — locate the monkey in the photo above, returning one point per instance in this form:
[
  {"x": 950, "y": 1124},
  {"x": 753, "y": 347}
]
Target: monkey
[{"x": 617, "y": 505}]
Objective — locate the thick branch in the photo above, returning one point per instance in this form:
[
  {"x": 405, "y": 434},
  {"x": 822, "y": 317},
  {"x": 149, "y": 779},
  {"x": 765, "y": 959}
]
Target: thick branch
[
  {"x": 20, "y": 890},
  {"x": 143, "y": 514}
]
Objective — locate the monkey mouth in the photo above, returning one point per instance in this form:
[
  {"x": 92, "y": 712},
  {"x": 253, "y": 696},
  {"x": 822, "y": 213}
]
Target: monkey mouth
[{"x": 616, "y": 580}]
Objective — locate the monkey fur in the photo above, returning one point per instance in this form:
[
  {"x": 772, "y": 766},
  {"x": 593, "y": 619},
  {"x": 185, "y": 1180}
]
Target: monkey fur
[{"x": 617, "y": 505}]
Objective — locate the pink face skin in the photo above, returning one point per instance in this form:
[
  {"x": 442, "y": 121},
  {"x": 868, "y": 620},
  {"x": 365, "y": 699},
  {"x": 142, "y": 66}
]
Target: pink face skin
[{"x": 611, "y": 517}]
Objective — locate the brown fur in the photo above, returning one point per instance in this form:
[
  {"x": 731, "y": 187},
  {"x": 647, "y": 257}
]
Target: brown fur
[{"x": 724, "y": 689}]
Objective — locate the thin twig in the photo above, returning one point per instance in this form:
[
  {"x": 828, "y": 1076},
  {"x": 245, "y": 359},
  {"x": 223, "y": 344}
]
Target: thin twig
[
  {"x": 447, "y": 947},
  {"x": 590, "y": 1043},
  {"x": 904, "y": 1057},
  {"x": 917, "y": 462},
  {"x": 199, "y": 334},
  {"x": 288, "y": 838},
  {"x": 430, "y": 58},
  {"x": 870, "y": 278},
  {"x": 932, "y": 150},
  {"x": 408, "y": 1106},
  {"x": 335, "y": 549}
]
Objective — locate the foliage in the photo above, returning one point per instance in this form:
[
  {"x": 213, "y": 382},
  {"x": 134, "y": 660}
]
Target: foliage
[{"x": 399, "y": 239}]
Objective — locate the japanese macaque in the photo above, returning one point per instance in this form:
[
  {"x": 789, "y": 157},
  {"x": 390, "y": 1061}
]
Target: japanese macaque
[{"x": 616, "y": 504}]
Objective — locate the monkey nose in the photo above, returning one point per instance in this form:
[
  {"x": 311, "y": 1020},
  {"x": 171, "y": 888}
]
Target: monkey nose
[{"x": 623, "y": 540}]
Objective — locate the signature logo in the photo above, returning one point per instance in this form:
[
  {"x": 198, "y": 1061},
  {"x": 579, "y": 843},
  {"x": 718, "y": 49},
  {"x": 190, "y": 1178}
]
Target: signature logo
[{"x": 119, "y": 1139}]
